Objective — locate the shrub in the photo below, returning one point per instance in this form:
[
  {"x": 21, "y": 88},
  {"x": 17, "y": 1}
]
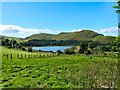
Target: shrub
[
  {"x": 59, "y": 52},
  {"x": 29, "y": 49},
  {"x": 9, "y": 47},
  {"x": 105, "y": 48},
  {"x": 88, "y": 52},
  {"x": 69, "y": 51},
  {"x": 23, "y": 48},
  {"x": 81, "y": 51}
]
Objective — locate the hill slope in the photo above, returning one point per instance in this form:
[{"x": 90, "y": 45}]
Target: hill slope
[
  {"x": 81, "y": 35},
  {"x": 86, "y": 35}
]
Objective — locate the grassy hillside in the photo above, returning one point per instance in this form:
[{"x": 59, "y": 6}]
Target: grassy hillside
[
  {"x": 15, "y": 38},
  {"x": 62, "y": 71},
  {"x": 81, "y": 35},
  {"x": 40, "y": 36}
]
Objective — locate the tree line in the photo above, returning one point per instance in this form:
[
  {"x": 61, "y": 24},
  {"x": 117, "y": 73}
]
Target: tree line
[
  {"x": 11, "y": 43},
  {"x": 36, "y": 42},
  {"x": 85, "y": 47},
  {"x": 92, "y": 48}
]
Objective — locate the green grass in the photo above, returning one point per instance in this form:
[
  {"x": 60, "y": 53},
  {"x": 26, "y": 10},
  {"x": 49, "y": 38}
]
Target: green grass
[{"x": 62, "y": 71}]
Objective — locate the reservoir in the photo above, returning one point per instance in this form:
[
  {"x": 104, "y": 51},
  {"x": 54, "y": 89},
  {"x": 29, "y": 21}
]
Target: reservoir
[{"x": 51, "y": 48}]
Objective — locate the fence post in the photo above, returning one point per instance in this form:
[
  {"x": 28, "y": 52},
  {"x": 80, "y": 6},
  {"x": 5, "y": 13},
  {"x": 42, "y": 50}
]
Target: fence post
[
  {"x": 31, "y": 55},
  {"x": 6, "y": 55},
  {"x": 34, "y": 56},
  {"x": 25, "y": 56},
  {"x": 20, "y": 56},
  {"x": 28, "y": 56},
  {"x": 10, "y": 56},
  {"x": 40, "y": 56}
]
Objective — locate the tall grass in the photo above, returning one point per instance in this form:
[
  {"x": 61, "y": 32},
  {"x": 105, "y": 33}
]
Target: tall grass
[{"x": 62, "y": 71}]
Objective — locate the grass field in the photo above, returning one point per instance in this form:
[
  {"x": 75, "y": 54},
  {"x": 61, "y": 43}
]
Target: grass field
[{"x": 57, "y": 71}]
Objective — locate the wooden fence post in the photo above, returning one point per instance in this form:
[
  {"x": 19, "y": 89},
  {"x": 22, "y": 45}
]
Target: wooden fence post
[
  {"x": 40, "y": 56},
  {"x": 21, "y": 56},
  {"x": 28, "y": 56},
  {"x": 10, "y": 56},
  {"x": 6, "y": 55}
]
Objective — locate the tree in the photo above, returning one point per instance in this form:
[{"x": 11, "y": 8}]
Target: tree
[
  {"x": 114, "y": 48},
  {"x": 81, "y": 51},
  {"x": 5, "y": 42},
  {"x": 13, "y": 42},
  {"x": 118, "y": 11},
  {"x": 117, "y": 42},
  {"x": 105, "y": 48},
  {"x": 117, "y": 7},
  {"x": 92, "y": 45},
  {"x": 83, "y": 47}
]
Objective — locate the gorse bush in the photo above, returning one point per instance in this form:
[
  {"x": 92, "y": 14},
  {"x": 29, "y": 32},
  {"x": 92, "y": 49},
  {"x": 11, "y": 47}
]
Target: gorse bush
[
  {"x": 69, "y": 51},
  {"x": 29, "y": 49},
  {"x": 87, "y": 52},
  {"x": 10, "y": 43},
  {"x": 59, "y": 52}
]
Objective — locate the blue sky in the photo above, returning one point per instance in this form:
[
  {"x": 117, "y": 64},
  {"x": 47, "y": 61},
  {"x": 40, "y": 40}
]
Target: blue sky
[{"x": 25, "y": 18}]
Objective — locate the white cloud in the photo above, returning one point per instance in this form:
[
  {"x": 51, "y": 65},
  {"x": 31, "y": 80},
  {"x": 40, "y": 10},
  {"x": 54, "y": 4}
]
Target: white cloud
[
  {"x": 17, "y": 31},
  {"x": 112, "y": 31},
  {"x": 77, "y": 30},
  {"x": 80, "y": 29}
]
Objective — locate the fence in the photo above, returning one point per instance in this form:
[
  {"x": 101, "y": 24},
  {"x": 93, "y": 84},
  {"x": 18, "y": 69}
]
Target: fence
[{"x": 26, "y": 56}]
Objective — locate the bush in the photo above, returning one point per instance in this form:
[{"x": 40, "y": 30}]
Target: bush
[
  {"x": 9, "y": 47},
  {"x": 105, "y": 48},
  {"x": 88, "y": 52},
  {"x": 69, "y": 51},
  {"x": 59, "y": 52},
  {"x": 29, "y": 49},
  {"x": 23, "y": 48},
  {"x": 81, "y": 51}
]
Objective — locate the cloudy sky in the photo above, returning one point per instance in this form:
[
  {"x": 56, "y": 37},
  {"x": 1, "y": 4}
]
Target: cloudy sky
[{"x": 21, "y": 19}]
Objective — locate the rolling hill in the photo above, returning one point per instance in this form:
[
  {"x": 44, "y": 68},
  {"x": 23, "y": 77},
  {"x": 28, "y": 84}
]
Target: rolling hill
[
  {"x": 15, "y": 38},
  {"x": 86, "y": 35}
]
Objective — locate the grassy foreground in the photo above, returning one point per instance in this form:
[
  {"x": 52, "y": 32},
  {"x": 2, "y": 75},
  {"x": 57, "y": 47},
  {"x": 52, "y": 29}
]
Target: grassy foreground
[{"x": 57, "y": 71}]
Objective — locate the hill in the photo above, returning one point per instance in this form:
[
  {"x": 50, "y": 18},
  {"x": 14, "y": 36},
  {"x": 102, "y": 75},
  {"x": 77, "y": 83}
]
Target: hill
[
  {"x": 15, "y": 38},
  {"x": 40, "y": 36},
  {"x": 86, "y": 35}
]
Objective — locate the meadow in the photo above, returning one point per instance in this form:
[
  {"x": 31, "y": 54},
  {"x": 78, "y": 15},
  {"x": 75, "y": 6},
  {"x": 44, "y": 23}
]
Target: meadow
[{"x": 49, "y": 70}]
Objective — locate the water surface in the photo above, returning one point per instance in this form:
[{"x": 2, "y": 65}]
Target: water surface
[{"x": 51, "y": 48}]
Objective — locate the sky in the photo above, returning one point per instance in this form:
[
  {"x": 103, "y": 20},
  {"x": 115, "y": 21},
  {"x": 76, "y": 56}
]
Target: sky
[{"x": 21, "y": 19}]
